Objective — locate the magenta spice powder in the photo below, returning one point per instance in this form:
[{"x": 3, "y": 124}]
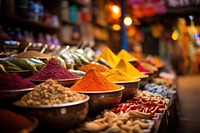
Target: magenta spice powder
[
  {"x": 13, "y": 82},
  {"x": 53, "y": 70}
]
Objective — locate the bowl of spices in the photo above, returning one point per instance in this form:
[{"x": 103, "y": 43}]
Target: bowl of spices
[
  {"x": 13, "y": 87},
  {"x": 55, "y": 106},
  {"x": 119, "y": 77},
  {"x": 103, "y": 93},
  {"x": 12, "y": 122},
  {"x": 53, "y": 70},
  {"x": 33, "y": 54}
]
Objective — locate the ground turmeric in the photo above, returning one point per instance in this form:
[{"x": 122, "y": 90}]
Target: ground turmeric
[
  {"x": 109, "y": 56},
  {"x": 130, "y": 69},
  {"x": 92, "y": 81},
  {"x": 117, "y": 75},
  {"x": 125, "y": 55}
]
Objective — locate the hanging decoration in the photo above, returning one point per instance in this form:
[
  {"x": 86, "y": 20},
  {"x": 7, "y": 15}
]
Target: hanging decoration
[
  {"x": 148, "y": 8},
  {"x": 114, "y": 13}
]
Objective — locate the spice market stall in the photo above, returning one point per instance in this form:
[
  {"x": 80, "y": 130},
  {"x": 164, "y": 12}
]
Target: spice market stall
[{"x": 76, "y": 91}]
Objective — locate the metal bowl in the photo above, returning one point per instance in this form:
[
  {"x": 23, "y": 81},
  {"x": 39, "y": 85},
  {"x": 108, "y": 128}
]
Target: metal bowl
[
  {"x": 100, "y": 100},
  {"x": 59, "y": 117},
  {"x": 143, "y": 82},
  {"x": 151, "y": 74},
  {"x": 22, "y": 73},
  {"x": 130, "y": 88},
  {"x": 12, "y": 95},
  {"x": 134, "y": 63},
  {"x": 64, "y": 82}
]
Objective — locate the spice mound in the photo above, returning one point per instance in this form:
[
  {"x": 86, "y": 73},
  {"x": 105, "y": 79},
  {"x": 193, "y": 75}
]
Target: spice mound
[
  {"x": 94, "y": 80},
  {"x": 13, "y": 82},
  {"x": 100, "y": 67},
  {"x": 49, "y": 93},
  {"x": 109, "y": 56},
  {"x": 31, "y": 53},
  {"x": 149, "y": 66},
  {"x": 129, "y": 69},
  {"x": 141, "y": 68},
  {"x": 117, "y": 75},
  {"x": 125, "y": 55},
  {"x": 11, "y": 122},
  {"x": 53, "y": 70}
]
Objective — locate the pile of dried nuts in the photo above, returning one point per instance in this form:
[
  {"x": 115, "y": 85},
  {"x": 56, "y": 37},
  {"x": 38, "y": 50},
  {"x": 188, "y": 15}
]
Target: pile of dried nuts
[
  {"x": 130, "y": 122},
  {"x": 49, "y": 93}
]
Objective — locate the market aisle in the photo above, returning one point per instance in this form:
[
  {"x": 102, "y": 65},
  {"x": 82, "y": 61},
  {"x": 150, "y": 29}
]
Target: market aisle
[{"x": 189, "y": 100}]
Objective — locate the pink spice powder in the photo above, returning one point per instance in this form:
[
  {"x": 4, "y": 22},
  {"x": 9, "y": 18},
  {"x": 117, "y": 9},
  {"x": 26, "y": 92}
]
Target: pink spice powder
[
  {"x": 13, "y": 82},
  {"x": 53, "y": 70}
]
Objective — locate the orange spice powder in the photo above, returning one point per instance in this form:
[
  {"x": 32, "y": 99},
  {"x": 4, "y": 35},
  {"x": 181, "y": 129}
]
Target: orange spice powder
[
  {"x": 94, "y": 80},
  {"x": 87, "y": 67}
]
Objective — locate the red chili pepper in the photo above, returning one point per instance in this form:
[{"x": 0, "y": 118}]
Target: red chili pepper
[
  {"x": 151, "y": 108},
  {"x": 128, "y": 105},
  {"x": 121, "y": 112},
  {"x": 118, "y": 109},
  {"x": 123, "y": 108},
  {"x": 153, "y": 111},
  {"x": 146, "y": 103},
  {"x": 128, "y": 109},
  {"x": 135, "y": 106},
  {"x": 160, "y": 105},
  {"x": 145, "y": 110},
  {"x": 137, "y": 98},
  {"x": 160, "y": 110}
]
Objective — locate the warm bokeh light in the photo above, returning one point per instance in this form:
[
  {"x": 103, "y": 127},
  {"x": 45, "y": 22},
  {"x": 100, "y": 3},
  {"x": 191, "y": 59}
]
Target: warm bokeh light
[
  {"x": 175, "y": 35},
  {"x": 116, "y": 27},
  {"x": 115, "y": 9},
  {"x": 127, "y": 21}
]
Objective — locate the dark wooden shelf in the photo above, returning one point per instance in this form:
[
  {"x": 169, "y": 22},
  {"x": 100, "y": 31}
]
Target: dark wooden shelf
[
  {"x": 70, "y": 23},
  {"x": 101, "y": 40},
  {"x": 184, "y": 10},
  {"x": 29, "y": 24},
  {"x": 78, "y": 3},
  {"x": 71, "y": 43}
]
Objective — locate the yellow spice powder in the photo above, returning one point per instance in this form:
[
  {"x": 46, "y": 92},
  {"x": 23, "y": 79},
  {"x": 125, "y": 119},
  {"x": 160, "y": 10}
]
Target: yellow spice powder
[
  {"x": 109, "y": 56},
  {"x": 130, "y": 69},
  {"x": 117, "y": 75},
  {"x": 125, "y": 55}
]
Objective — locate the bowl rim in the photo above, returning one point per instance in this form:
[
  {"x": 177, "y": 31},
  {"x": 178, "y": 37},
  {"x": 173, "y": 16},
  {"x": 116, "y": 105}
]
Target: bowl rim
[
  {"x": 59, "y": 80},
  {"x": 17, "y": 90},
  {"x": 137, "y": 80},
  {"x": 99, "y": 92},
  {"x": 57, "y": 105},
  {"x": 151, "y": 72},
  {"x": 21, "y": 71}
]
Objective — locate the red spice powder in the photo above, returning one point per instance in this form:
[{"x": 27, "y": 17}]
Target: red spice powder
[
  {"x": 12, "y": 122},
  {"x": 13, "y": 81},
  {"x": 140, "y": 68},
  {"x": 53, "y": 70}
]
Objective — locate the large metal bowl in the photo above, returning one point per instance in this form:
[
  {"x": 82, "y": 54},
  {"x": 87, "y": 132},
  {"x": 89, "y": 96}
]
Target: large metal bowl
[
  {"x": 64, "y": 82},
  {"x": 130, "y": 88},
  {"x": 59, "y": 117},
  {"x": 100, "y": 100},
  {"x": 22, "y": 73},
  {"x": 12, "y": 95},
  {"x": 143, "y": 82},
  {"x": 151, "y": 74}
]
